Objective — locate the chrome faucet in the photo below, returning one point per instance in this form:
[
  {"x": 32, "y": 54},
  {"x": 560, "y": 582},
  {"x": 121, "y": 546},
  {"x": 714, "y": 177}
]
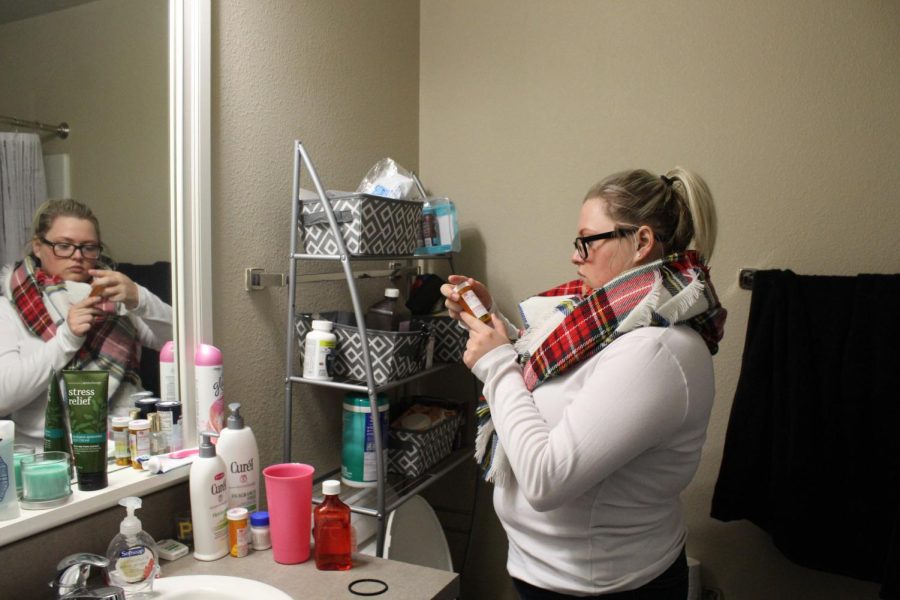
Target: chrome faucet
[{"x": 72, "y": 574}]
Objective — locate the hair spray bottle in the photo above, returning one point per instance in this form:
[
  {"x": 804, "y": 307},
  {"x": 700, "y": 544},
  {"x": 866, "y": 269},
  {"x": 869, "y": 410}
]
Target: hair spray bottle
[
  {"x": 168, "y": 382},
  {"x": 209, "y": 386}
]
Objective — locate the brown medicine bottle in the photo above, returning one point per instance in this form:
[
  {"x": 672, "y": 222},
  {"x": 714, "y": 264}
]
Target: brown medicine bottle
[{"x": 470, "y": 302}]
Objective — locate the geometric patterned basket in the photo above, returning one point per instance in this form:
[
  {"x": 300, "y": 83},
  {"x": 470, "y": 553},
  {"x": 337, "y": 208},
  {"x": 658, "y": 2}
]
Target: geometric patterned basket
[
  {"x": 394, "y": 354},
  {"x": 449, "y": 338},
  {"x": 412, "y": 452},
  {"x": 369, "y": 224}
]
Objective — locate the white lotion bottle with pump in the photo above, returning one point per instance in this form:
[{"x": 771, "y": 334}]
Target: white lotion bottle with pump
[
  {"x": 133, "y": 555},
  {"x": 238, "y": 449},
  {"x": 209, "y": 501}
]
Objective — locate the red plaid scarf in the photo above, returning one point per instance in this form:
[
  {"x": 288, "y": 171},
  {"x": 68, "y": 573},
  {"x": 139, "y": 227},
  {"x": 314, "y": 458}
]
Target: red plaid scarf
[
  {"x": 675, "y": 290},
  {"x": 595, "y": 320},
  {"x": 112, "y": 343}
]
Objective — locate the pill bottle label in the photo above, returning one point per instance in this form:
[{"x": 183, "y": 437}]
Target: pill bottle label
[
  {"x": 318, "y": 356},
  {"x": 470, "y": 300}
]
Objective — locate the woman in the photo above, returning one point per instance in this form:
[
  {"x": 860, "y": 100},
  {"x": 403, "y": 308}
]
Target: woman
[
  {"x": 61, "y": 310},
  {"x": 595, "y": 418}
]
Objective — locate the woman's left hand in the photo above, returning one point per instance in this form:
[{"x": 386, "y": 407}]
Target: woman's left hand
[
  {"x": 116, "y": 286},
  {"x": 482, "y": 337}
]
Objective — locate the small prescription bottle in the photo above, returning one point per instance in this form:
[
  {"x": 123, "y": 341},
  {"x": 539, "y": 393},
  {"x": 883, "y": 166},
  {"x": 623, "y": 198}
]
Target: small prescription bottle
[
  {"x": 470, "y": 302},
  {"x": 120, "y": 440},
  {"x": 138, "y": 441},
  {"x": 319, "y": 346},
  {"x": 260, "y": 537},
  {"x": 238, "y": 532}
]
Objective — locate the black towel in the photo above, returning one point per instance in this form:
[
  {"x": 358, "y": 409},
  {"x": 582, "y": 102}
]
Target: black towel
[{"x": 812, "y": 451}]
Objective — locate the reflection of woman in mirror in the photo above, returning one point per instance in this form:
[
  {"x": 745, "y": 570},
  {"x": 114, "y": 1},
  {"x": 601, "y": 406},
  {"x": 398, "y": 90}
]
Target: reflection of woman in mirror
[{"x": 63, "y": 308}]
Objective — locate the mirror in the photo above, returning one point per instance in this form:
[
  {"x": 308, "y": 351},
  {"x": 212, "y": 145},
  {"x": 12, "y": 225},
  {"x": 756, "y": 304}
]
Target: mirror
[
  {"x": 183, "y": 205},
  {"x": 102, "y": 67}
]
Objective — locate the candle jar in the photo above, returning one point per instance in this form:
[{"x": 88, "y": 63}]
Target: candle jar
[
  {"x": 20, "y": 451},
  {"x": 45, "y": 480}
]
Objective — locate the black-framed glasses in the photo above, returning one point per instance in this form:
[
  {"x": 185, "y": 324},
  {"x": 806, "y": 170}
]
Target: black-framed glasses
[
  {"x": 67, "y": 250},
  {"x": 582, "y": 244}
]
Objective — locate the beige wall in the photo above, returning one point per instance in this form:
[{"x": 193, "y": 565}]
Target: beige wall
[
  {"x": 789, "y": 110},
  {"x": 341, "y": 76},
  {"x": 103, "y": 68}
]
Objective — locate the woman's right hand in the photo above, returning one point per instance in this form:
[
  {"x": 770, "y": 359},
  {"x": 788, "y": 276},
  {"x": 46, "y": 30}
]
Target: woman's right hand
[
  {"x": 452, "y": 298},
  {"x": 82, "y": 315}
]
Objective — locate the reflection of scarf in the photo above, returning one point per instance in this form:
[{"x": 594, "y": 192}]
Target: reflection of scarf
[
  {"x": 112, "y": 343},
  {"x": 672, "y": 291}
]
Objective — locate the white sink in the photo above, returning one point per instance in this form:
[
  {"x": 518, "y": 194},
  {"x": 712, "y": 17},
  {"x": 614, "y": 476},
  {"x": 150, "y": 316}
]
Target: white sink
[{"x": 213, "y": 587}]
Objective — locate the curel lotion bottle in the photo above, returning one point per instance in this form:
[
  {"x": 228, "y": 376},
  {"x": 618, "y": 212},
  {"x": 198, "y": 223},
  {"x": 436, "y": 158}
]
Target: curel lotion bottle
[
  {"x": 238, "y": 449},
  {"x": 209, "y": 501},
  {"x": 209, "y": 387}
]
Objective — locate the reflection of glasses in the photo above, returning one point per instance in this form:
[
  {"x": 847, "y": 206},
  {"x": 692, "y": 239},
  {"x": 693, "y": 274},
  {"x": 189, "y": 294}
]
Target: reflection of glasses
[
  {"x": 67, "y": 250},
  {"x": 582, "y": 244}
]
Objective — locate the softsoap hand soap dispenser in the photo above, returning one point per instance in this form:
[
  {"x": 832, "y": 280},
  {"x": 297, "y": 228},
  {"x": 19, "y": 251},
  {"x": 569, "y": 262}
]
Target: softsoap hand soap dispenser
[
  {"x": 133, "y": 555},
  {"x": 238, "y": 449},
  {"x": 209, "y": 501}
]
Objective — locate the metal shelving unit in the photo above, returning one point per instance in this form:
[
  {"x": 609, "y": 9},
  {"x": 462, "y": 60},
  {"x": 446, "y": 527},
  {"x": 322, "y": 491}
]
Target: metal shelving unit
[{"x": 393, "y": 490}]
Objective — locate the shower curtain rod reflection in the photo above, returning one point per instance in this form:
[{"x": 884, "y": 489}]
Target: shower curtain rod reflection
[{"x": 61, "y": 130}]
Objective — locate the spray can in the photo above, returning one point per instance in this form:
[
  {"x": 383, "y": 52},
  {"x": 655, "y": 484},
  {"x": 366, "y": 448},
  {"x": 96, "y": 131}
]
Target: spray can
[
  {"x": 209, "y": 387},
  {"x": 168, "y": 382}
]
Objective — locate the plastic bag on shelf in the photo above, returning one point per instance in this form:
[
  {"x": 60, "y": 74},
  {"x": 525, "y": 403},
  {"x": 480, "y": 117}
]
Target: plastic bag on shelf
[{"x": 387, "y": 178}]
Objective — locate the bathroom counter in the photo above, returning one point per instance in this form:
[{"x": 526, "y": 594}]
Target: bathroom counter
[{"x": 405, "y": 581}]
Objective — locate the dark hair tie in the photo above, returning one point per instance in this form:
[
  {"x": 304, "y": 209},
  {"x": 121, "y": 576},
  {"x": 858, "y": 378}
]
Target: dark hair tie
[{"x": 666, "y": 180}]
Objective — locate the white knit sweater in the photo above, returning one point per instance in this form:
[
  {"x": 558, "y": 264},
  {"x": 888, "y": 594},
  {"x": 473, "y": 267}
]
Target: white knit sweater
[
  {"x": 600, "y": 456},
  {"x": 26, "y": 360}
]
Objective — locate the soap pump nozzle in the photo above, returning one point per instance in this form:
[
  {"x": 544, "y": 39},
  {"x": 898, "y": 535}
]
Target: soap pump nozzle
[
  {"x": 235, "y": 420},
  {"x": 131, "y": 525},
  {"x": 207, "y": 448}
]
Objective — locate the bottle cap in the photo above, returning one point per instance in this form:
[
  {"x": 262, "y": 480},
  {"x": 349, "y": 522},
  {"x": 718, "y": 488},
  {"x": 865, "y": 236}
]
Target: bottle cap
[
  {"x": 259, "y": 518},
  {"x": 391, "y": 293},
  {"x": 139, "y": 424},
  {"x": 461, "y": 286},
  {"x": 121, "y": 421},
  {"x": 321, "y": 325},
  {"x": 167, "y": 353},
  {"x": 238, "y": 513},
  {"x": 139, "y": 396},
  {"x": 235, "y": 420},
  {"x": 331, "y": 487},
  {"x": 130, "y": 524}
]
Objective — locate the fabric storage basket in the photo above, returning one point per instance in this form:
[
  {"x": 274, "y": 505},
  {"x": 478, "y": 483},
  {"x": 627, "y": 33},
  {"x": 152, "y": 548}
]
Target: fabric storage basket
[
  {"x": 394, "y": 354},
  {"x": 449, "y": 337},
  {"x": 370, "y": 225},
  {"x": 411, "y": 453}
]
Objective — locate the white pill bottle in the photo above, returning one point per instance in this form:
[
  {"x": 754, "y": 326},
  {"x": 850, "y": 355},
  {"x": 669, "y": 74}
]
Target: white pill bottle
[{"x": 318, "y": 351}]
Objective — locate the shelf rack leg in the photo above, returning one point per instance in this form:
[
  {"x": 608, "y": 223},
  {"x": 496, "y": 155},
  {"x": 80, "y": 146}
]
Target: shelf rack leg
[{"x": 380, "y": 468}]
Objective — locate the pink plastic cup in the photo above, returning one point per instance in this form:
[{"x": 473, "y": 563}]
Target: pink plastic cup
[{"x": 289, "y": 494}]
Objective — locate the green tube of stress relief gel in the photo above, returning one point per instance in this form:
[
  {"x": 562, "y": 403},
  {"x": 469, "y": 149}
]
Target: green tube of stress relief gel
[{"x": 86, "y": 408}]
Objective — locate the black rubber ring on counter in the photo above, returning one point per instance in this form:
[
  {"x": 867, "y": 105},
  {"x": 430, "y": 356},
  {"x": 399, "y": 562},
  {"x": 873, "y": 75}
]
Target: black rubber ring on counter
[{"x": 378, "y": 593}]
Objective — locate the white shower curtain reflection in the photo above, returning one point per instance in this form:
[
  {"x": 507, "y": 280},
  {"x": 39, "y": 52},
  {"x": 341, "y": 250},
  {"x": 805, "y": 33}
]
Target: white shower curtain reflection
[{"x": 23, "y": 187}]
